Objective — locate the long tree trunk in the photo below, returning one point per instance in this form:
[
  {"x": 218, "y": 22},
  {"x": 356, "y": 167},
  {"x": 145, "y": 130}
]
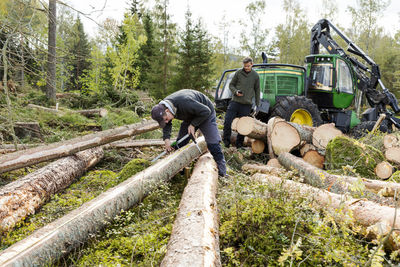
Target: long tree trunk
[
  {"x": 67, "y": 233},
  {"x": 376, "y": 220},
  {"x": 22, "y": 197},
  {"x": 39, "y": 154},
  {"x": 51, "y": 57},
  {"x": 194, "y": 239},
  {"x": 137, "y": 143},
  {"x": 321, "y": 179}
]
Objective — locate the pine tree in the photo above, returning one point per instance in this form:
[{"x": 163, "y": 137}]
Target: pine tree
[
  {"x": 193, "y": 68},
  {"x": 79, "y": 50}
]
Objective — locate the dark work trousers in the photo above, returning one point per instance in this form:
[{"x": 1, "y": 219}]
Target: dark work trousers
[
  {"x": 211, "y": 134},
  {"x": 235, "y": 110}
]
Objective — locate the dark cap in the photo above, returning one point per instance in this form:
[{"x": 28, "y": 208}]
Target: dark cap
[{"x": 157, "y": 114}]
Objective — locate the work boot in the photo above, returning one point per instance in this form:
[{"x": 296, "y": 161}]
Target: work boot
[
  {"x": 227, "y": 143},
  {"x": 221, "y": 165},
  {"x": 216, "y": 152}
]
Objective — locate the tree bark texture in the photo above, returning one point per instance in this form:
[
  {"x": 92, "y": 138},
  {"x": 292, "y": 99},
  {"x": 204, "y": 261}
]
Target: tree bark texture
[
  {"x": 252, "y": 168},
  {"x": 102, "y": 112},
  {"x": 323, "y": 134},
  {"x": 51, "y": 55},
  {"x": 137, "y": 143},
  {"x": 252, "y": 128},
  {"x": 39, "y": 154},
  {"x": 67, "y": 233},
  {"x": 321, "y": 179},
  {"x": 194, "y": 239},
  {"x": 22, "y": 197},
  {"x": 376, "y": 220}
]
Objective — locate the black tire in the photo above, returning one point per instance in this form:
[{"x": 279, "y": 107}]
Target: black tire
[
  {"x": 286, "y": 106},
  {"x": 362, "y": 129}
]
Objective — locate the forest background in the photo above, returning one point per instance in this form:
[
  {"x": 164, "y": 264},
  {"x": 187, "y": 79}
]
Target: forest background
[{"x": 149, "y": 52}]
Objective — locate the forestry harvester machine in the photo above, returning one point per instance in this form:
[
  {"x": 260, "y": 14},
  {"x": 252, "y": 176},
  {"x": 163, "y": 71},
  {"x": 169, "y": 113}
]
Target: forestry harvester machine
[{"x": 329, "y": 88}]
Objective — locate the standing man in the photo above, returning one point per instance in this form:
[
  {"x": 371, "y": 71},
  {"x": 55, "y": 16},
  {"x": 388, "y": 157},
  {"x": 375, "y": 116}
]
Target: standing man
[
  {"x": 245, "y": 86},
  {"x": 196, "y": 112}
]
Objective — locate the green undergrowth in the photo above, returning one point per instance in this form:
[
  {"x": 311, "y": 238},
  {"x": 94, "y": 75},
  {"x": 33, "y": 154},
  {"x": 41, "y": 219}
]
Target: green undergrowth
[
  {"x": 137, "y": 237},
  {"x": 262, "y": 225},
  {"x": 83, "y": 190}
]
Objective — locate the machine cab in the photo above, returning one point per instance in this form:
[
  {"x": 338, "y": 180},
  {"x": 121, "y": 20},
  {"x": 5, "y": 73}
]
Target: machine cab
[{"x": 331, "y": 83}]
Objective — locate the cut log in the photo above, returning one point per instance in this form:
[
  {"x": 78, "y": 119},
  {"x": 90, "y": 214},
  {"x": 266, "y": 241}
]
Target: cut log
[
  {"x": 390, "y": 140},
  {"x": 52, "y": 110},
  {"x": 384, "y": 170},
  {"x": 257, "y": 146},
  {"x": 270, "y": 127},
  {"x": 314, "y": 158},
  {"x": 22, "y": 197},
  {"x": 323, "y": 134},
  {"x": 274, "y": 163},
  {"x": 307, "y": 147},
  {"x": 7, "y": 148},
  {"x": 321, "y": 179},
  {"x": 69, "y": 232},
  {"x": 252, "y": 128},
  {"x": 39, "y": 154},
  {"x": 137, "y": 143},
  {"x": 376, "y": 220},
  {"x": 194, "y": 239},
  {"x": 392, "y": 154},
  {"x": 102, "y": 112},
  {"x": 234, "y": 124},
  {"x": 287, "y": 136},
  {"x": 252, "y": 168}
]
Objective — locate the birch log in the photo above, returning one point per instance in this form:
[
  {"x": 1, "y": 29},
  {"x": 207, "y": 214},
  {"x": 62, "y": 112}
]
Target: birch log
[
  {"x": 376, "y": 220},
  {"x": 67, "y": 233},
  {"x": 321, "y": 179},
  {"x": 22, "y": 197},
  {"x": 39, "y": 154},
  {"x": 194, "y": 239},
  {"x": 252, "y": 128}
]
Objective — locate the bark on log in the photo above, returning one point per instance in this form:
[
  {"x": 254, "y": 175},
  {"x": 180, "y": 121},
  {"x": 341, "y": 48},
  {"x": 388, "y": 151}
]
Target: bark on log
[
  {"x": 67, "y": 233},
  {"x": 194, "y": 239},
  {"x": 376, "y": 220},
  {"x": 287, "y": 136},
  {"x": 137, "y": 143},
  {"x": 39, "y": 154},
  {"x": 384, "y": 170},
  {"x": 234, "y": 124},
  {"x": 274, "y": 163},
  {"x": 270, "y": 127},
  {"x": 314, "y": 158},
  {"x": 321, "y": 179},
  {"x": 323, "y": 134},
  {"x": 252, "y": 128},
  {"x": 102, "y": 112},
  {"x": 252, "y": 168},
  {"x": 392, "y": 154},
  {"x": 22, "y": 197}
]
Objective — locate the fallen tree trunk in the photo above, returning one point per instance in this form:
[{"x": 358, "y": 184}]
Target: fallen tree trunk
[
  {"x": 376, "y": 220},
  {"x": 194, "y": 239},
  {"x": 52, "y": 110},
  {"x": 287, "y": 136},
  {"x": 137, "y": 143},
  {"x": 252, "y": 168},
  {"x": 22, "y": 197},
  {"x": 384, "y": 170},
  {"x": 323, "y": 134},
  {"x": 69, "y": 232},
  {"x": 321, "y": 179},
  {"x": 102, "y": 112},
  {"x": 252, "y": 128},
  {"x": 39, "y": 154}
]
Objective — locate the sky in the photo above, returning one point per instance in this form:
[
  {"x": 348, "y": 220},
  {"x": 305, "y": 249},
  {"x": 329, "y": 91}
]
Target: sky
[{"x": 211, "y": 12}]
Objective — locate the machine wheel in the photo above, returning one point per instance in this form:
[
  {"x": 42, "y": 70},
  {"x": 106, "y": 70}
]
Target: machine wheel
[
  {"x": 297, "y": 109},
  {"x": 364, "y": 127}
]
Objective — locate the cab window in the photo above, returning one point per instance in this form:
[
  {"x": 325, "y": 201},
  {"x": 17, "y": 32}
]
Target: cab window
[
  {"x": 345, "y": 82},
  {"x": 321, "y": 76}
]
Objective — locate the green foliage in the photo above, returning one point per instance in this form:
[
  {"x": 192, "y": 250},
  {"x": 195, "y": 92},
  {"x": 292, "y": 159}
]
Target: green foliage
[
  {"x": 264, "y": 226},
  {"x": 343, "y": 151},
  {"x": 193, "y": 68},
  {"x": 133, "y": 167},
  {"x": 118, "y": 117}
]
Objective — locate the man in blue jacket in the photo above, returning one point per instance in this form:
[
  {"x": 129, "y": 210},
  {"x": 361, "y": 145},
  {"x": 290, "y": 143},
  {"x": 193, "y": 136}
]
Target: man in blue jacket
[{"x": 196, "y": 112}]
